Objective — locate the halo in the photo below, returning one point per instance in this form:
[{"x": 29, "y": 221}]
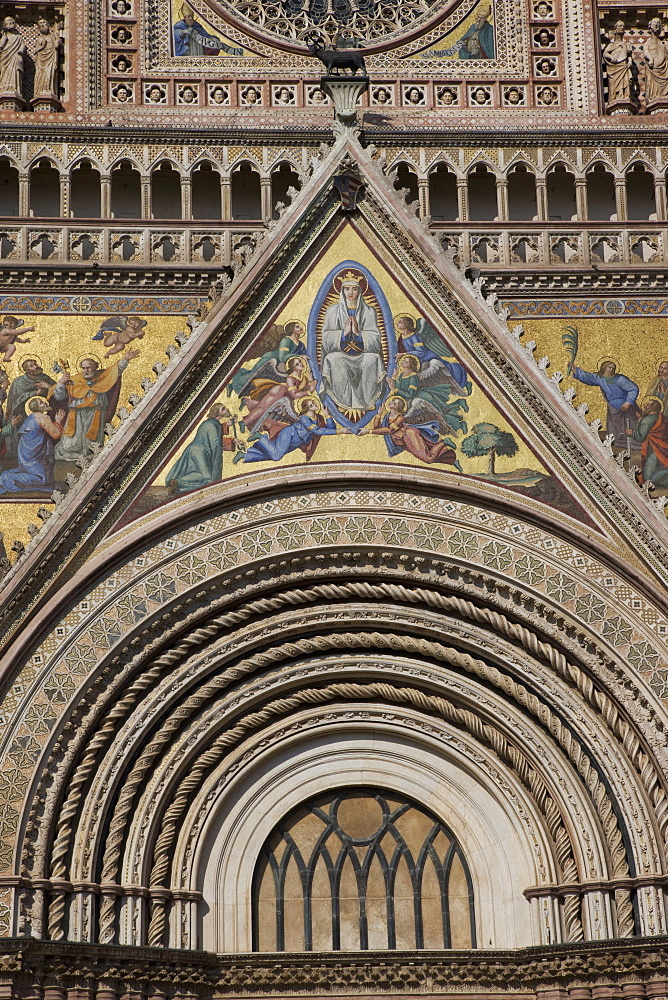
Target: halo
[
  {"x": 395, "y": 395},
  {"x": 404, "y": 316},
  {"x": 663, "y": 362},
  {"x": 29, "y": 357},
  {"x": 654, "y": 399},
  {"x": 603, "y": 361},
  {"x": 89, "y": 357},
  {"x": 291, "y": 362},
  {"x": 350, "y": 274},
  {"x": 26, "y": 405},
  {"x": 300, "y": 321},
  {"x": 300, "y": 404},
  {"x": 413, "y": 356}
]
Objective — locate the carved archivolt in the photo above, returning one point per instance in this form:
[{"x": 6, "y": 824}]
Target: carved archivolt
[{"x": 239, "y": 649}]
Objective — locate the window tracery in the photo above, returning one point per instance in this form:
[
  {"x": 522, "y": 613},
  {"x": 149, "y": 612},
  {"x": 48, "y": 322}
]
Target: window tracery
[{"x": 362, "y": 869}]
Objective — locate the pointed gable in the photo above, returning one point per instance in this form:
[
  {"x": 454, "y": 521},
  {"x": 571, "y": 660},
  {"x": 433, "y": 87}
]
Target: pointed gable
[{"x": 473, "y": 411}]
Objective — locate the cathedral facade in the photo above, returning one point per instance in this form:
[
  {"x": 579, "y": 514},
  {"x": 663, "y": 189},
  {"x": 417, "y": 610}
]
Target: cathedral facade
[{"x": 333, "y": 486}]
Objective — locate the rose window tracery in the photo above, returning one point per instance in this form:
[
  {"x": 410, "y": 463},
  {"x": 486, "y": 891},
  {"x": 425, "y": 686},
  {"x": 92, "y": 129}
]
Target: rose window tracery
[{"x": 351, "y": 21}]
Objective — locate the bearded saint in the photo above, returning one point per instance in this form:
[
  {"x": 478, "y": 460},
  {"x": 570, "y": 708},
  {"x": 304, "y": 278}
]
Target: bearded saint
[{"x": 353, "y": 372}]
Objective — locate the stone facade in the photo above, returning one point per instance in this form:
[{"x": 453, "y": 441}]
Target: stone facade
[{"x": 338, "y": 660}]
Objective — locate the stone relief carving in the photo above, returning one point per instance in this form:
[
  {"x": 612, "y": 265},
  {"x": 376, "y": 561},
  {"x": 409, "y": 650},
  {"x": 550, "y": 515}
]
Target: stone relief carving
[
  {"x": 617, "y": 60},
  {"x": 45, "y": 57},
  {"x": 12, "y": 59}
]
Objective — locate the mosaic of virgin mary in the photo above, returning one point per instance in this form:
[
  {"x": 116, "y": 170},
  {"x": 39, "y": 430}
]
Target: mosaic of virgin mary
[{"x": 351, "y": 342}]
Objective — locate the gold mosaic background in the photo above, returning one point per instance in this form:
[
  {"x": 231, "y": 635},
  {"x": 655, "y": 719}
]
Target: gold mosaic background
[
  {"x": 637, "y": 345},
  {"x": 371, "y": 447},
  {"x": 70, "y": 338}
]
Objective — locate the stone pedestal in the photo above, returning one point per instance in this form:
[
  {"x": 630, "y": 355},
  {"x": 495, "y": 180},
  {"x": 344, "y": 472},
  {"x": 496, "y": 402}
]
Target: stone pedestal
[
  {"x": 345, "y": 92},
  {"x": 656, "y": 107},
  {"x": 621, "y": 108},
  {"x": 45, "y": 102},
  {"x": 11, "y": 100}
]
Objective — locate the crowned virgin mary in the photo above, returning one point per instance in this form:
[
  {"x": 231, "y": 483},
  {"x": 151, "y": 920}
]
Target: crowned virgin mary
[{"x": 353, "y": 372}]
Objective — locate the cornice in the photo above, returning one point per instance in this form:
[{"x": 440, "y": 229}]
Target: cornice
[
  {"x": 404, "y": 972},
  {"x": 392, "y": 134}
]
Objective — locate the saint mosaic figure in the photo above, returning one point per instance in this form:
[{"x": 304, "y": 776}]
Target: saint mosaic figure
[
  {"x": 36, "y": 438},
  {"x": 192, "y": 39},
  {"x": 620, "y": 394},
  {"x": 91, "y": 397},
  {"x": 476, "y": 43},
  {"x": 652, "y": 435},
  {"x": 353, "y": 371},
  {"x": 33, "y": 382},
  {"x": 202, "y": 461},
  {"x": 658, "y": 387}
]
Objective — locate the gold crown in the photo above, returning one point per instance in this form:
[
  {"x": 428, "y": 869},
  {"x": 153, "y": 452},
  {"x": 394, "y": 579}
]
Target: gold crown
[{"x": 350, "y": 278}]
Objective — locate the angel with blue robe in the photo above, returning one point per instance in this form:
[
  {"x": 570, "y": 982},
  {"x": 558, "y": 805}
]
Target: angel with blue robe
[
  {"x": 422, "y": 340},
  {"x": 279, "y": 437}
]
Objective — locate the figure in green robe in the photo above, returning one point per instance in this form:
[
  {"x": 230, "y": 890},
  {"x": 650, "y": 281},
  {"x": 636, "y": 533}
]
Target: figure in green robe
[
  {"x": 202, "y": 461},
  {"x": 652, "y": 433},
  {"x": 291, "y": 343},
  {"x": 421, "y": 389}
]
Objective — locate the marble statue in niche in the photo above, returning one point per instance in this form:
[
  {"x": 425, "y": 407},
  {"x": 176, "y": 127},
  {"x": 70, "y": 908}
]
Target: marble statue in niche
[
  {"x": 45, "y": 56},
  {"x": 617, "y": 59},
  {"x": 12, "y": 57},
  {"x": 656, "y": 64},
  {"x": 46, "y": 59}
]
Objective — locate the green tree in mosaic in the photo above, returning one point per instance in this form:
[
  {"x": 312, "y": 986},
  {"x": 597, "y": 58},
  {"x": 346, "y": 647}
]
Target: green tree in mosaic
[{"x": 488, "y": 439}]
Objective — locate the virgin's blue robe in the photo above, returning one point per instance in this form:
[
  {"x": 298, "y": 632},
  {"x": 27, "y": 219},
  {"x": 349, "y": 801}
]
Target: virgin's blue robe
[
  {"x": 267, "y": 449},
  {"x": 35, "y": 454}
]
